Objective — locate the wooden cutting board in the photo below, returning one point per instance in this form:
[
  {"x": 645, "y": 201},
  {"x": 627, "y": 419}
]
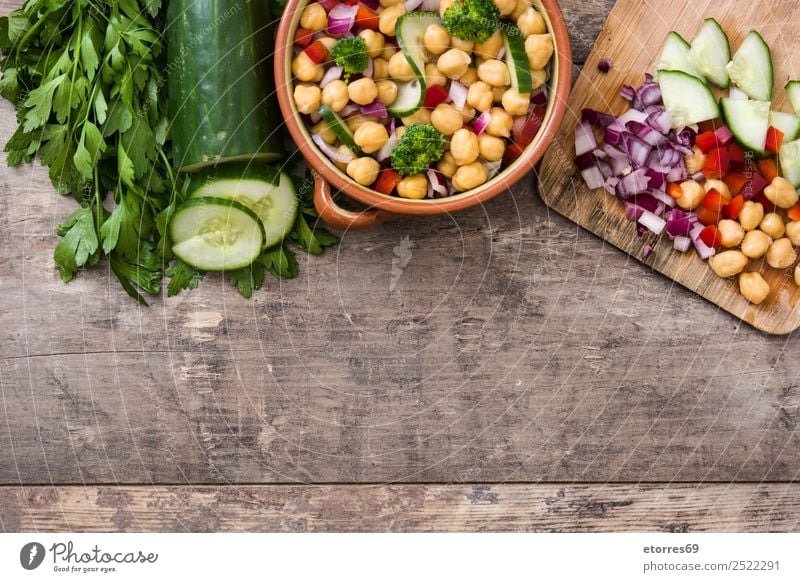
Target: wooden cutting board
[{"x": 632, "y": 39}]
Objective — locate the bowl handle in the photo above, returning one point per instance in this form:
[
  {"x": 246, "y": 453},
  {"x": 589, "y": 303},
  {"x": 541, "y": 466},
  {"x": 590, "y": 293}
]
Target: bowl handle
[{"x": 339, "y": 218}]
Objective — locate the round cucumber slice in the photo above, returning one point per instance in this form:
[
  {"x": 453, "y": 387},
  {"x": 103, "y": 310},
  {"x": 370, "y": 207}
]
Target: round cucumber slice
[
  {"x": 517, "y": 60},
  {"x": 273, "y": 199},
  {"x": 214, "y": 234},
  {"x": 410, "y": 29}
]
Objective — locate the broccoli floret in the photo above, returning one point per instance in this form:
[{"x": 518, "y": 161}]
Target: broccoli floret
[
  {"x": 474, "y": 20},
  {"x": 419, "y": 147},
  {"x": 351, "y": 53}
]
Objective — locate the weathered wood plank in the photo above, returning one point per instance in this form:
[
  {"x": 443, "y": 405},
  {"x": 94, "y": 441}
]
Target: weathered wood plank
[{"x": 418, "y": 508}]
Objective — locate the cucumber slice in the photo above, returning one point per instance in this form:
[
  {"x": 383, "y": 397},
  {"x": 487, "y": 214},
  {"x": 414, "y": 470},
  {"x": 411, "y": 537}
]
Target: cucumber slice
[
  {"x": 269, "y": 193},
  {"x": 675, "y": 56},
  {"x": 748, "y": 121},
  {"x": 517, "y": 60},
  {"x": 751, "y": 68},
  {"x": 213, "y": 234},
  {"x": 687, "y": 99},
  {"x": 340, "y": 128},
  {"x": 790, "y": 162},
  {"x": 787, "y": 123},
  {"x": 793, "y": 91},
  {"x": 410, "y": 29},
  {"x": 711, "y": 52}
]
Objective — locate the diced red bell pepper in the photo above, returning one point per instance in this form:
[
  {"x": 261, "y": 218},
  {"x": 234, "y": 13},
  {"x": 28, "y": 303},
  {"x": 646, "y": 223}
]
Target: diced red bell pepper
[
  {"x": 707, "y": 217},
  {"x": 317, "y": 52},
  {"x": 774, "y": 139},
  {"x": 736, "y": 153},
  {"x": 530, "y": 128},
  {"x": 768, "y": 169},
  {"x": 717, "y": 164},
  {"x": 434, "y": 95},
  {"x": 794, "y": 212},
  {"x": 710, "y": 236},
  {"x": 387, "y": 181},
  {"x": 706, "y": 141},
  {"x": 714, "y": 201},
  {"x": 513, "y": 151},
  {"x": 303, "y": 37},
  {"x": 733, "y": 208},
  {"x": 764, "y": 201},
  {"x": 366, "y": 18},
  {"x": 674, "y": 190},
  {"x": 735, "y": 182}
]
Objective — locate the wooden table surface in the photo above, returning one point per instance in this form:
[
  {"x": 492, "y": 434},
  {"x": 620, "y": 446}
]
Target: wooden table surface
[{"x": 517, "y": 374}]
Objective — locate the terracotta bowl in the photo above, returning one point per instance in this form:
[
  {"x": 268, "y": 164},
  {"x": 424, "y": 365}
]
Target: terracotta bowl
[{"x": 380, "y": 207}]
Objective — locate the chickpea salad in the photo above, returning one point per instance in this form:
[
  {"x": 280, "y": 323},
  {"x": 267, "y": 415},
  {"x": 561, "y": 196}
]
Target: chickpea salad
[
  {"x": 716, "y": 172},
  {"x": 422, "y": 98}
]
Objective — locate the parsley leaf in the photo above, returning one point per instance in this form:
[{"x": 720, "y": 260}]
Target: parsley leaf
[
  {"x": 182, "y": 276},
  {"x": 281, "y": 262},
  {"x": 78, "y": 243},
  {"x": 248, "y": 279}
]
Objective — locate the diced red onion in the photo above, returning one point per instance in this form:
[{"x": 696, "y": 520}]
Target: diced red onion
[
  {"x": 315, "y": 117},
  {"x": 638, "y": 150},
  {"x": 686, "y": 137},
  {"x": 539, "y": 98},
  {"x": 703, "y": 250},
  {"x": 593, "y": 177},
  {"x": 483, "y": 121},
  {"x": 631, "y": 115},
  {"x": 458, "y": 94},
  {"x": 437, "y": 183},
  {"x": 651, "y": 222},
  {"x": 633, "y": 212},
  {"x": 754, "y": 186},
  {"x": 678, "y": 173},
  {"x": 375, "y": 109},
  {"x": 585, "y": 140},
  {"x": 724, "y": 135},
  {"x": 412, "y": 5},
  {"x": 518, "y": 124},
  {"x": 646, "y": 133},
  {"x": 611, "y": 184},
  {"x": 349, "y": 109},
  {"x": 613, "y": 134},
  {"x": 327, "y": 4},
  {"x": 657, "y": 179},
  {"x": 663, "y": 197},
  {"x": 699, "y": 177},
  {"x": 678, "y": 223},
  {"x": 647, "y": 202},
  {"x": 494, "y": 167},
  {"x": 341, "y": 19},
  {"x": 333, "y": 153},
  {"x": 660, "y": 121},
  {"x": 647, "y": 250},
  {"x": 332, "y": 74},
  {"x": 384, "y": 153},
  {"x": 628, "y": 93},
  {"x": 597, "y": 118},
  {"x": 634, "y": 183},
  {"x": 682, "y": 243},
  {"x": 369, "y": 72}
]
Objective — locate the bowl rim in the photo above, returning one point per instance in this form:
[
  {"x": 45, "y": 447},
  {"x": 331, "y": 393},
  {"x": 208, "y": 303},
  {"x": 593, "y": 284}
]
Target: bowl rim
[{"x": 560, "y": 84}]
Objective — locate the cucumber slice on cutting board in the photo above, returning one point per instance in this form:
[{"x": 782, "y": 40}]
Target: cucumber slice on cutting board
[
  {"x": 787, "y": 123},
  {"x": 793, "y": 91},
  {"x": 687, "y": 99},
  {"x": 751, "y": 68},
  {"x": 790, "y": 162},
  {"x": 748, "y": 121},
  {"x": 711, "y": 53},
  {"x": 269, "y": 193},
  {"x": 517, "y": 60},
  {"x": 339, "y": 128},
  {"x": 410, "y": 29},
  {"x": 675, "y": 56},
  {"x": 214, "y": 234}
]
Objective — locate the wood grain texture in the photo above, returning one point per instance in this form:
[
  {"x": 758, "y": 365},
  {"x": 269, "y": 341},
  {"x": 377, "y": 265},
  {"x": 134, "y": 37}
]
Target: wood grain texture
[
  {"x": 632, "y": 39},
  {"x": 403, "y": 508}
]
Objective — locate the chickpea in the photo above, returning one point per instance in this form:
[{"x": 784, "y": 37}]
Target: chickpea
[
  {"x": 753, "y": 287},
  {"x": 728, "y": 263},
  {"x": 371, "y": 137},
  {"x": 328, "y": 42},
  {"x": 781, "y": 254},
  {"x": 436, "y": 39},
  {"x": 480, "y": 96},
  {"x": 505, "y": 7},
  {"x": 387, "y": 91},
  {"x": 355, "y": 121},
  {"x": 461, "y": 44},
  {"x": 491, "y": 148},
  {"x": 491, "y": 47},
  {"x": 731, "y": 233},
  {"x": 433, "y": 76},
  {"x": 324, "y": 130},
  {"x": 307, "y": 98},
  {"x": 772, "y": 224},
  {"x": 414, "y": 187},
  {"x": 468, "y": 113},
  {"x": 719, "y": 186},
  {"x": 520, "y": 8},
  {"x": 781, "y": 193},
  {"x": 531, "y": 22},
  {"x": 692, "y": 195},
  {"x": 307, "y": 70},
  {"x": 335, "y": 95},
  {"x": 454, "y": 63},
  {"x": 470, "y": 77},
  {"x": 464, "y": 147},
  {"x": 446, "y": 119},
  {"x": 539, "y": 48},
  {"x": 538, "y": 78},
  {"x": 516, "y": 103},
  {"x": 755, "y": 244},
  {"x": 388, "y": 51},
  {"x": 500, "y": 123},
  {"x": 797, "y": 275},
  {"x": 363, "y": 170},
  {"x": 470, "y": 176},
  {"x": 363, "y": 91},
  {"x": 444, "y": 5},
  {"x": 374, "y": 41},
  {"x": 497, "y": 94},
  {"x": 400, "y": 69},
  {"x": 388, "y": 19},
  {"x": 422, "y": 115},
  {"x": 447, "y": 165},
  {"x": 793, "y": 232},
  {"x": 314, "y": 17},
  {"x": 380, "y": 69},
  {"x": 387, "y": 3},
  {"x": 696, "y": 161},
  {"x": 751, "y": 215},
  {"x": 494, "y": 72}
]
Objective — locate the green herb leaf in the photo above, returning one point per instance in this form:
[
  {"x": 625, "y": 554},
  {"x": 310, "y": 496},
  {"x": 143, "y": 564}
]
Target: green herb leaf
[
  {"x": 248, "y": 279},
  {"x": 182, "y": 276},
  {"x": 281, "y": 262},
  {"x": 79, "y": 242}
]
